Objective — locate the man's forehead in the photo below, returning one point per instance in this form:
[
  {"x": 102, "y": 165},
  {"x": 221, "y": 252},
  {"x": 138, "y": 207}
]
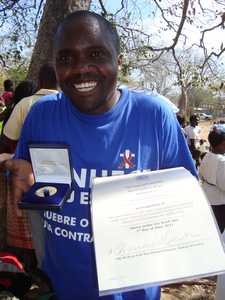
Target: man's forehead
[
  {"x": 83, "y": 24},
  {"x": 82, "y": 30}
]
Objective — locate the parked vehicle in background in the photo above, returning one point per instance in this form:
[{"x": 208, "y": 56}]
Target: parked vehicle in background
[{"x": 204, "y": 116}]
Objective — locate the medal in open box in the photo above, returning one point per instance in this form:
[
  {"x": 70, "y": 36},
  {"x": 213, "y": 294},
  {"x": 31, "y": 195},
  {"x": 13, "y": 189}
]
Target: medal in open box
[{"x": 53, "y": 177}]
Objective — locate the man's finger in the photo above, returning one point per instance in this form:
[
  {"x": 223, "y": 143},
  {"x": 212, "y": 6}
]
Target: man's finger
[
  {"x": 7, "y": 165},
  {"x": 21, "y": 177},
  {"x": 17, "y": 194},
  {"x": 20, "y": 168},
  {"x": 18, "y": 183},
  {"x": 5, "y": 156}
]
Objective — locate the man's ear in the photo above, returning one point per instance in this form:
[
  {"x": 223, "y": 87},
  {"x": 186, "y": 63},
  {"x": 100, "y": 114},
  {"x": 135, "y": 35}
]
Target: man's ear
[{"x": 120, "y": 60}]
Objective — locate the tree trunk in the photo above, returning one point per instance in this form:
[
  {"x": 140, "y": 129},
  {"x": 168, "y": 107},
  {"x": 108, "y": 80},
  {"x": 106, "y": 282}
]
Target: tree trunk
[
  {"x": 183, "y": 101},
  {"x": 53, "y": 14}
]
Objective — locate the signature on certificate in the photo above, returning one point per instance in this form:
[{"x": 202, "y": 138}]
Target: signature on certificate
[{"x": 162, "y": 243}]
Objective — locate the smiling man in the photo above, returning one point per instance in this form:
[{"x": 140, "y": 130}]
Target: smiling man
[
  {"x": 110, "y": 131},
  {"x": 87, "y": 59}
]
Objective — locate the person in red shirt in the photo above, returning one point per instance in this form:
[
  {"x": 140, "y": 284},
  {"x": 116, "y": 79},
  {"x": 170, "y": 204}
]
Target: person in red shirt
[{"x": 7, "y": 95}]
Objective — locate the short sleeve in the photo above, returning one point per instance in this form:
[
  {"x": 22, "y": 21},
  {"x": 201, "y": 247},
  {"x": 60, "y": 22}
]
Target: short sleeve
[
  {"x": 191, "y": 135},
  {"x": 22, "y": 150},
  {"x": 220, "y": 177},
  {"x": 14, "y": 124}
]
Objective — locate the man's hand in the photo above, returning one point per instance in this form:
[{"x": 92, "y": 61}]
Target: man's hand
[
  {"x": 21, "y": 176},
  {"x": 5, "y": 156}
]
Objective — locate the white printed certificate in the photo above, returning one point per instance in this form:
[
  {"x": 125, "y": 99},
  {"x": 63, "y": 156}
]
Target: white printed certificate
[{"x": 153, "y": 228}]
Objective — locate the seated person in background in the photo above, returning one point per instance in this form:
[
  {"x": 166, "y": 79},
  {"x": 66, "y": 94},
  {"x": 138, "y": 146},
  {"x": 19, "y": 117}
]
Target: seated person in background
[
  {"x": 212, "y": 172},
  {"x": 7, "y": 96},
  {"x": 47, "y": 84}
]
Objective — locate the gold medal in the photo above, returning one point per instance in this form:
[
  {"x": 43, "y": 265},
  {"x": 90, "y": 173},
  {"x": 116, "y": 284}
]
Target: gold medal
[{"x": 46, "y": 191}]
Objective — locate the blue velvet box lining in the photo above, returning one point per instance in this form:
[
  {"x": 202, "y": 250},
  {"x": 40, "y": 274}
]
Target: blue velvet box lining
[{"x": 31, "y": 201}]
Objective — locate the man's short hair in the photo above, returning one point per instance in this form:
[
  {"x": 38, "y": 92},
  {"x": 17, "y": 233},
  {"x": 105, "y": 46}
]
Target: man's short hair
[
  {"x": 109, "y": 27},
  {"x": 194, "y": 118},
  {"x": 216, "y": 137},
  {"x": 24, "y": 89}
]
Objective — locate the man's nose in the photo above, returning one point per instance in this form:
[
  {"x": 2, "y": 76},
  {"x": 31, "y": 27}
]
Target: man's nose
[
  {"x": 83, "y": 65},
  {"x": 84, "y": 68}
]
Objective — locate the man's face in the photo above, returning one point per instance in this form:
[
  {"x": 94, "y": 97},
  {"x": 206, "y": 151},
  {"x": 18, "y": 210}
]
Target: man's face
[
  {"x": 194, "y": 122},
  {"x": 87, "y": 65}
]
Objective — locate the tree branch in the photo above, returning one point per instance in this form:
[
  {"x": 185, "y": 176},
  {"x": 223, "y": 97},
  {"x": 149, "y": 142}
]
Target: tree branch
[
  {"x": 38, "y": 12},
  {"x": 212, "y": 28},
  {"x": 3, "y": 61},
  {"x": 163, "y": 15},
  {"x": 178, "y": 64},
  {"x": 210, "y": 55},
  {"x": 9, "y": 6},
  {"x": 179, "y": 30},
  {"x": 104, "y": 11},
  {"x": 121, "y": 8}
]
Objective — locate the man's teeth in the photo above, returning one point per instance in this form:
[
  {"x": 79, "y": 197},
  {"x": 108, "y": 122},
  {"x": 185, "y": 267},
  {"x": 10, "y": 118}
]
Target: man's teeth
[{"x": 85, "y": 86}]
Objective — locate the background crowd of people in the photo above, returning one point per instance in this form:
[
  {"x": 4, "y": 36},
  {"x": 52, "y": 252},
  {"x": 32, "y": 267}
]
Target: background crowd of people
[
  {"x": 209, "y": 158},
  {"x": 15, "y": 235}
]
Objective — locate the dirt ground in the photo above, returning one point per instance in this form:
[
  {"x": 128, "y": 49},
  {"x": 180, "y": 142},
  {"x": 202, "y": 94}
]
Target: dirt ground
[
  {"x": 202, "y": 289},
  {"x": 205, "y": 126}
]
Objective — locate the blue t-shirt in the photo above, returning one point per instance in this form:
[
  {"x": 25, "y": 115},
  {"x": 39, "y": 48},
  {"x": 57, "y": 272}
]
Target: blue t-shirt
[{"x": 140, "y": 132}]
